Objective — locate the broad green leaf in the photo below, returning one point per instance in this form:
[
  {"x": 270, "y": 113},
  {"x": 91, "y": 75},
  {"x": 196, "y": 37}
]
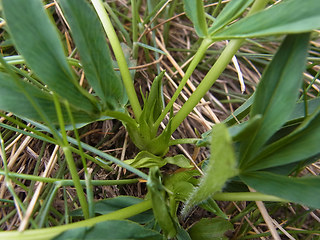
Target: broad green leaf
[
  {"x": 195, "y": 11},
  {"x": 13, "y": 99},
  {"x": 303, "y": 190},
  {"x": 221, "y": 167},
  {"x": 301, "y": 144},
  {"x": 288, "y": 17},
  {"x": 160, "y": 208},
  {"x": 94, "y": 53},
  {"x": 37, "y": 39},
  {"x": 277, "y": 92},
  {"x": 231, "y": 11},
  {"x": 113, "y": 204},
  {"x": 210, "y": 229},
  {"x": 109, "y": 230}
]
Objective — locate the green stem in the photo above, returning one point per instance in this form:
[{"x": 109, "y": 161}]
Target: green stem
[
  {"x": 123, "y": 66},
  {"x": 49, "y": 233},
  {"x": 69, "y": 158},
  {"x": 134, "y": 11},
  {"x": 64, "y": 182},
  {"x": 246, "y": 196},
  {"x": 194, "y": 63},
  {"x": 75, "y": 177},
  {"x": 213, "y": 74}
]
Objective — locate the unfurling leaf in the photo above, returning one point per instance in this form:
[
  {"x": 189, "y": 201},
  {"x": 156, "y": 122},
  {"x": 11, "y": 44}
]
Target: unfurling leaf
[{"x": 221, "y": 167}]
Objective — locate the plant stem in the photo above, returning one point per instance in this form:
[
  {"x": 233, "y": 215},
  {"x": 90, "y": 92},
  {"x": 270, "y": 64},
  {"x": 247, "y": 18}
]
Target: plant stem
[
  {"x": 75, "y": 177},
  {"x": 117, "y": 50},
  {"x": 134, "y": 11},
  {"x": 194, "y": 63},
  {"x": 213, "y": 74},
  {"x": 246, "y": 196},
  {"x": 49, "y": 233}
]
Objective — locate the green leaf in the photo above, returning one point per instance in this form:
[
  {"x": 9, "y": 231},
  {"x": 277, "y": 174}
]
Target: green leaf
[
  {"x": 210, "y": 229},
  {"x": 94, "y": 53},
  {"x": 277, "y": 92},
  {"x": 299, "y": 145},
  {"x": 154, "y": 103},
  {"x": 221, "y": 167},
  {"x": 145, "y": 159},
  {"x": 13, "y": 99},
  {"x": 288, "y": 17},
  {"x": 299, "y": 190},
  {"x": 230, "y": 12},
  {"x": 179, "y": 160},
  {"x": 37, "y": 39},
  {"x": 109, "y": 230},
  {"x": 195, "y": 11},
  {"x": 113, "y": 204}
]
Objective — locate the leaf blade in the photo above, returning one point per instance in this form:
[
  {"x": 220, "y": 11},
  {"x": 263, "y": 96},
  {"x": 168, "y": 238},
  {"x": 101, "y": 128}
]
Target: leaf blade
[
  {"x": 44, "y": 53},
  {"x": 276, "y": 95},
  {"x": 289, "y": 17},
  {"x": 94, "y": 53},
  {"x": 195, "y": 11},
  {"x": 299, "y": 190}
]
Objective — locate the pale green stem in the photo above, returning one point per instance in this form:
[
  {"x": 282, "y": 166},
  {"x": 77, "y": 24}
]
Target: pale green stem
[
  {"x": 70, "y": 161},
  {"x": 246, "y": 196},
  {"x": 194, "y": 63},
  {"x": 49, "y": 233},
  {"x": 64, "y": 182},
  {"x": 134, "y": 11},
  {"x": 117, "y": 50},
  {"x": 214, "y": 73}
]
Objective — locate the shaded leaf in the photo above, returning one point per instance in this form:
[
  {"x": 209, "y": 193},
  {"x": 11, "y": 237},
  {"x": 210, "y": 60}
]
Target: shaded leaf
[
  {"x": 298, "y": 190},
  {"x": 179, "y": 160},
  {"x": 195, "y": 11},
  {"x": 301, "y": 144},
  {"x": 94, "y": 53},
  {"x": 277, "y": 92},
  {"x": 13, "y": 99},
  {"x": 231, "y": 11},
  {"x": 210, "y": 229},
  {"x": 288, "y": 17},
  {"x": 113, "y": 204},
  {"x": 221, "y": 167},
  {"x": 145, "y": 159},
  {"x": 109, "y": 230},
  {"x": 37, "y": 39}
]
